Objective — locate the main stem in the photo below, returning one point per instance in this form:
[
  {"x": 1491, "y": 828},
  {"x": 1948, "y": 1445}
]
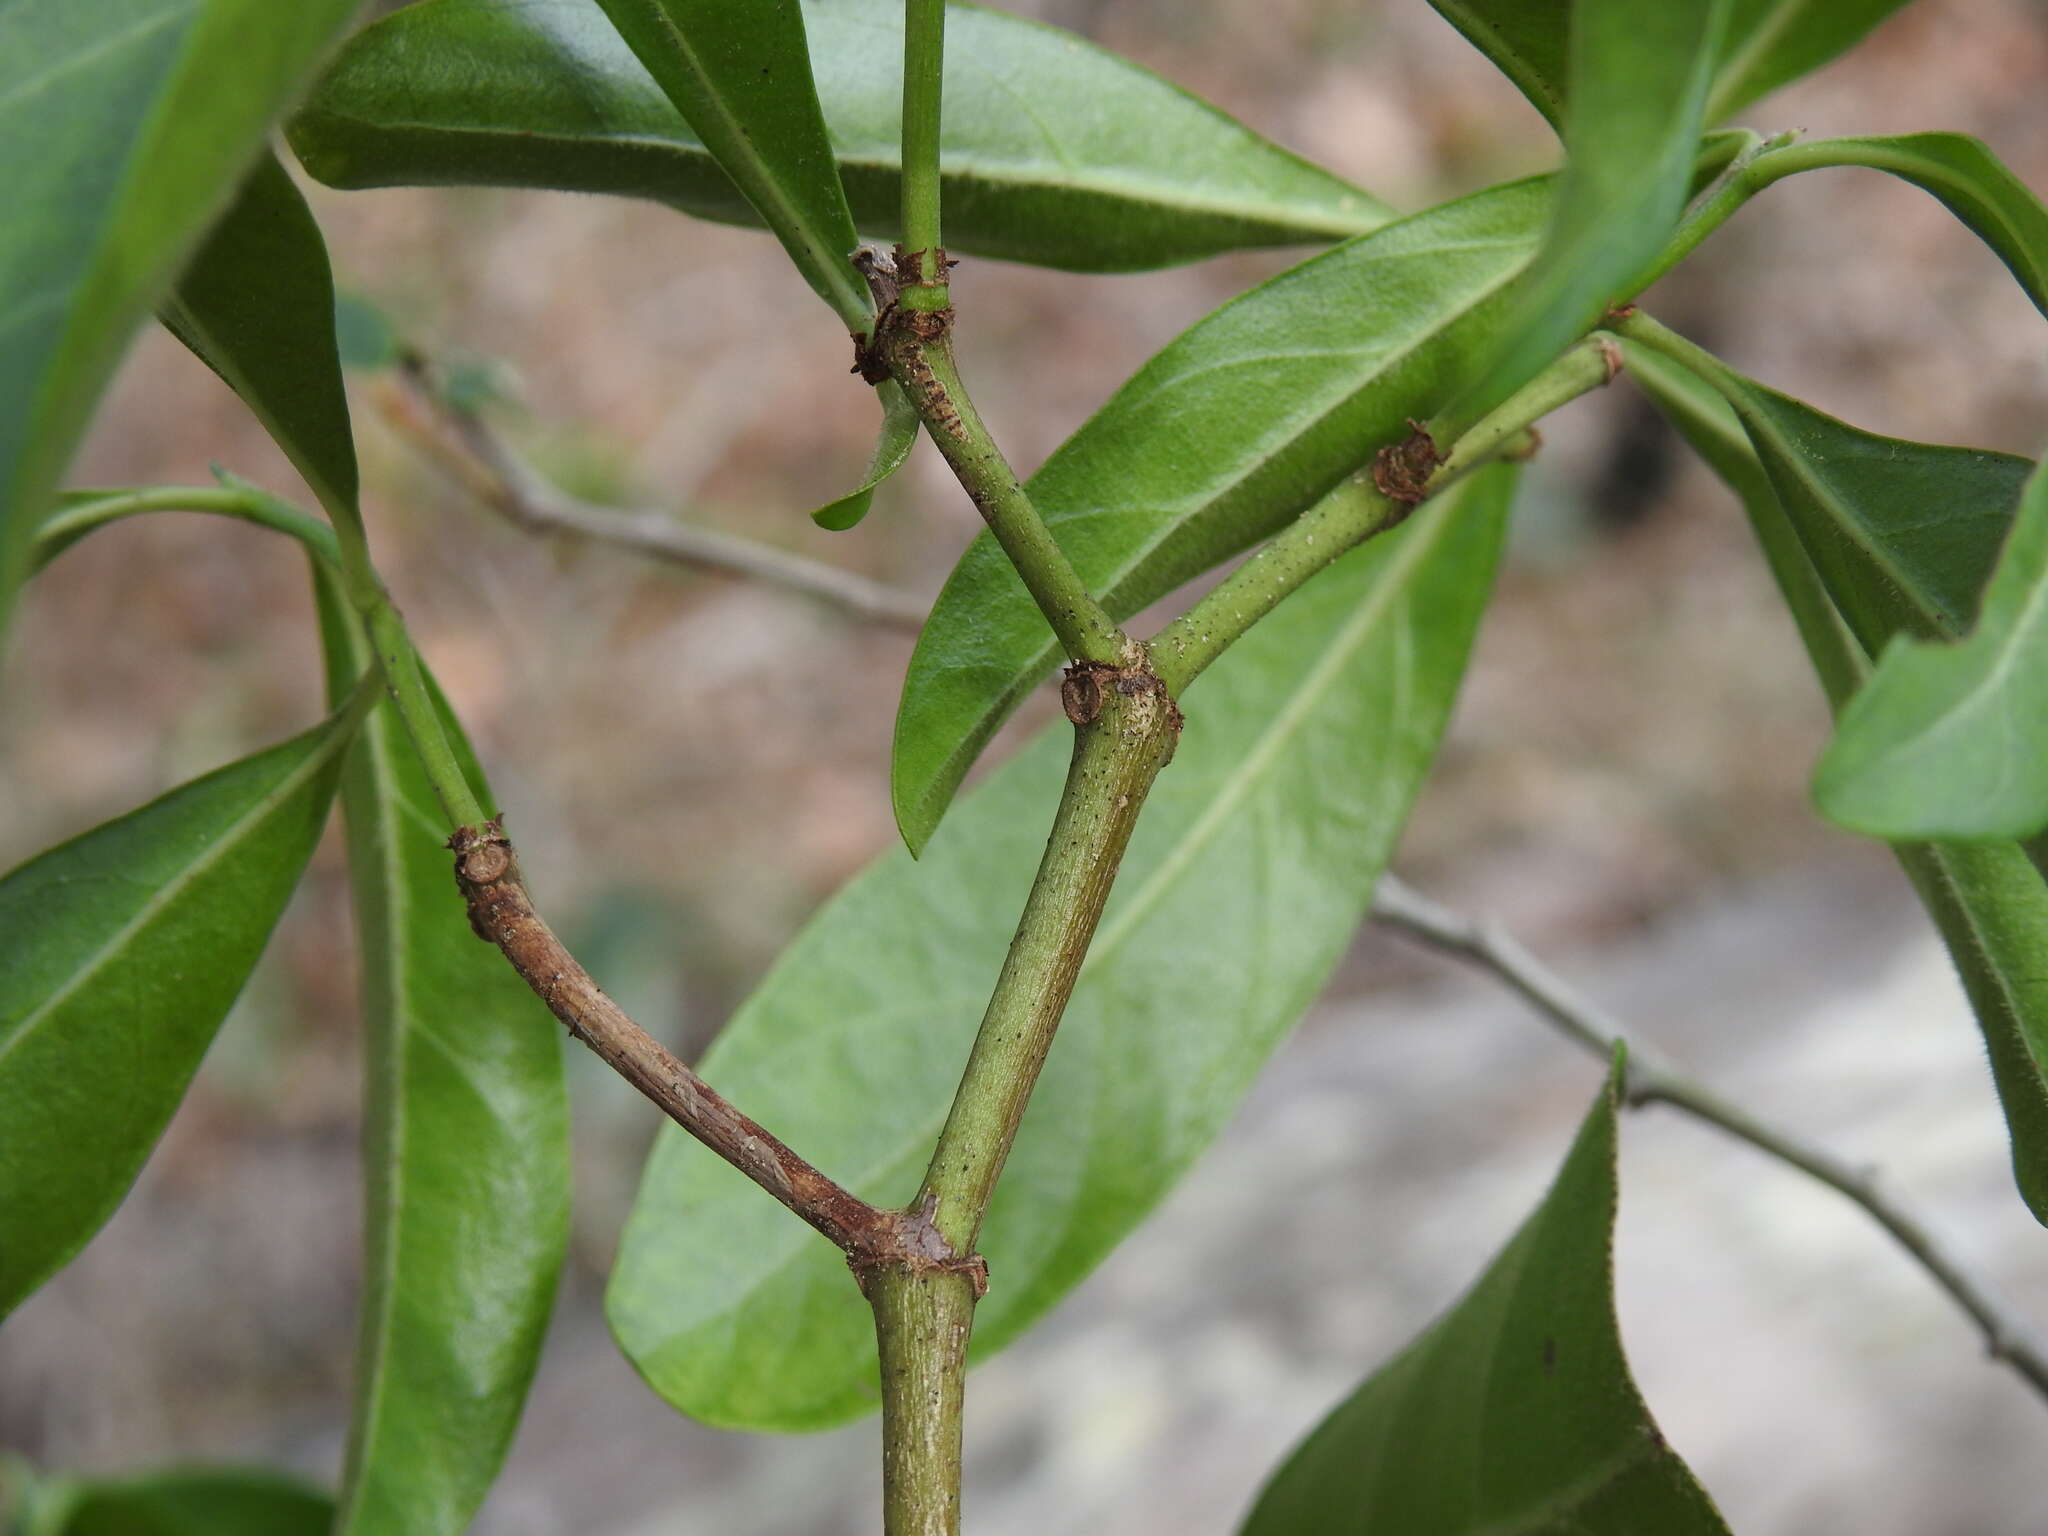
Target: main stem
[
  {"x": 922, "y": 1322},
  {"x": 1126, "y": 726}
]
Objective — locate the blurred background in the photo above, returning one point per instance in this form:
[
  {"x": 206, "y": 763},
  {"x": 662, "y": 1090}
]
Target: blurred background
[{"x": 1623, "y": 786}]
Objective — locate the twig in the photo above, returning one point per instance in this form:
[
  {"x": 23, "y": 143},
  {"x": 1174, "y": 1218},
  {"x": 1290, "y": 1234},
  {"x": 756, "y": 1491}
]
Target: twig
[
  {"x": 1402, "y": 476},
  {"x": 1651, "y": 1079},
  {"x": 916, "y": 345},
  {"x": 501, "y": 912},
  {"x": 464, "y": 445}
]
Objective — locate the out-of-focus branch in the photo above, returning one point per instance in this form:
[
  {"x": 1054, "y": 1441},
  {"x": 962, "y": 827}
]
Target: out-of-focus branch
[
  {"x": 463, "y": 444},
  {"x": 1652, "y": 1079}
]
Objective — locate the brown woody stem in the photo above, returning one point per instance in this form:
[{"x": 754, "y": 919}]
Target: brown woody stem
[{"x": 501, "y": 912}]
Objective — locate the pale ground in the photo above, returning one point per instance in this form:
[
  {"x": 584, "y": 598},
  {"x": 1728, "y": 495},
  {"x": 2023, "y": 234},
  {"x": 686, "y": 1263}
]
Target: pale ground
[{"x": 694, "y": 765}]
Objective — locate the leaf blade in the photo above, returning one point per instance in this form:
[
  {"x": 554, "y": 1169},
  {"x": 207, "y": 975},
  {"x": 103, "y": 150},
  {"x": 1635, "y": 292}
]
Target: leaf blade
[
  {"x": 466, "y": 1156},
  {"x": 740, "y": 74},
  {"x": 544, "y": 95},
  {"x": 256, "y": 305},
  {"x": 1237, "y": 425},
  {"x": 141, "y": 115},
  {"x": 1963, "y": 173},
  {"x": 1858, "y": 501},
  {"x": 124, "y": 949},
  {"x": 210, "y": 1501},
  {"x": 1515, "y": 1413},
  {"x": 1255, "y": 857},
  {"x": 1769, "y": 43},
  {"x": 1947, "y": 741},
  {"x": 1639, "y": 77},
  {"x": 1987, "y": 900},
  {"x": 892, "y": 447}
]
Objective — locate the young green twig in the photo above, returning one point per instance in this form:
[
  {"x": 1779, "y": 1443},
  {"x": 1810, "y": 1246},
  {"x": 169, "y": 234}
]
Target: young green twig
[{"x": 1402, "y": 477}]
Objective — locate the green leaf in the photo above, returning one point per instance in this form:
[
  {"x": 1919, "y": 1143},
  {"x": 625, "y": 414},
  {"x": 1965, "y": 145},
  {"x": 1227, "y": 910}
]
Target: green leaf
[
  {"x": 1252, "y": 865},
  {"x": 209, "y": 1502},
  {"x": 123, "y": 949},
  {"x": 1991, "y": 905},
  {"x": 899, "y": 435},
  {"x": 1773, "y": 42},
  {"x": 1973, "y": 182},
  {"x": 1988, "y": 901},
  {"x": 1903, "y": 534},
  {"x": 466, "y": 1148},
  {"x": 129, "y": 123},
  {"x": 257, "y": 307},
  {"x": 1951, "y": 741},
  {"x": 1640, "y": 76},
  {"x": 1527, "y": 40},
  {"x": 1053, "y": 151},
  {"x": 1514, "y": 1414},
  {"x": 1768, "y": 43},
  {"x": 1239, "y": 424},
  {"x": 740, "y": 74}
]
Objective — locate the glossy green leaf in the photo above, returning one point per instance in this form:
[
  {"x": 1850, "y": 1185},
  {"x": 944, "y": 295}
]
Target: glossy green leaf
[
  {"x": 1768, "y": 43},
  {"x": 123, "y": 949},
  {"x": 1989, "y": 903},
  {"x": 1239, "y": 424},
  {"x": 1639, "y": 81},
  {"x": 209, "y": 1502},
  {"x": 1250, "y": 868},
  {"x": 1514, "y": 1414},
  {"x": 1951, "y": 740},
  {"x": 1053, "y": 151},
  {"x": 899, "y": 435},
  {"x": 739, "y": 72},
  {"x": 466, "y": 1149},
  {"x": 1974, "y": 183},
  {"x": 1904, "y": 534},
  {"x": 129, "y": 123},
  {"x": 256, "y": 304}
]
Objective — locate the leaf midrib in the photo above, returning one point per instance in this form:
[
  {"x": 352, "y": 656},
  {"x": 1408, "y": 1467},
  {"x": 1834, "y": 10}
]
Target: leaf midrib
[
  {"x": 1010, "y": 174},
  {"x": 99, "y": 49},
  {"x": 377, "y": 1296}
]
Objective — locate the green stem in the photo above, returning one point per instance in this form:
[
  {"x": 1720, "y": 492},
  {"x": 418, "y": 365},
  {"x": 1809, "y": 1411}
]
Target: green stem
[
  {"x": 924, "y": 51},
  {"x": 922, "y": 1322},
  {"x": 1126, "y": 729},
  {"x": 1349, "y": 515},
  {"x": 1748, "y": 173},
  {"x": 1644, "y": 331},
  {"x": 919, "y": 352},
  {"x": 250, "y": 506},
  {"x": 400, "y": 663}
]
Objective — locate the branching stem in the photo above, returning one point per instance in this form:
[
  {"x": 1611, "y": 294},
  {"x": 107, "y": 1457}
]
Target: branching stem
[
  {"x": 502, "y": 913},
  {"x": 1126, "y": 726},
  {"x": 1366, "y": 504},
  {"x": 1653, "y": 1080}
]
